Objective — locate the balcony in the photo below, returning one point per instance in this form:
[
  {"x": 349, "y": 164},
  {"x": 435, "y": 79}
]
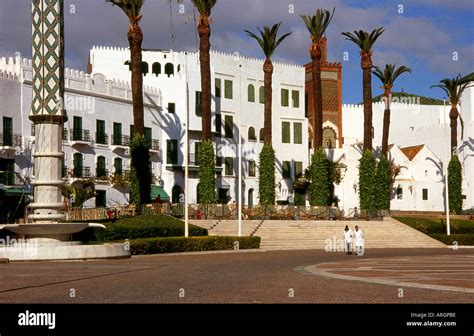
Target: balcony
[
  {"x": 102, "y": 175},
  {"x": 120, "y": 141},
  {"x": 80, "y": 137},
  {"x": 81, "y": 172},
  {"x": 10, "y": 141},
  {"x": 154, "y": 145},
  {"x": 8, "y": 178},
  {"x": 102, "y": 139},
  {"x": 33, "y": 132},
  {"x": 193, "y": 159}
]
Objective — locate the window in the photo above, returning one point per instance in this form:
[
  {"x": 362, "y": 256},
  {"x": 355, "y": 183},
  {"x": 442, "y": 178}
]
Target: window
[
  {"x": 77, "y": 162},
  {"x": 156, "y": 68},
  {"x": 145, "y": 68},
  {"x": 286, "y": 169},
  {"x": 295, "y": 97},
  {"x": 425, "y": 194},
  {"x": 252, "y": 135},
  {"x": 285, "y": 132},
  {"x": 176, "y": 194},
  {"x": 198, "y": 103},
  {"x": 171, "y": 108},
  {"x": 252, "y": 170},
  {"x": 218, "y": 125},
  {"x": 297, "y": 133},
  {"x": 148, "y": 134},
  {"x": 298, "y": 167},
  {"x": 251, "y": 93},
  {"x": 229, "y": 166},
  {"x": 100, "y": 170},
  {"x": 169, "y": 69},
  {"x": 228, "y": 94},
  {"x": 229, "y": 126},
  {"x": 77, "y": 128},
  {"x": 399, "y": 192},
  {"x": 218, "y": 85},
  {"x": 172, "y": 151},
  {"x": 100, "y": 198},
  {"x": 117, "y": 136},
  {"x": 100, "y": 136},
  {"x": 261, "y": 95},
  {"x": 7, "y": 131},
  {"x": 197, "y": 146},
  {"x": 262, "y": 135},
  {"x": 118, "y": 166},
  {"x": 132, "y": 131},
  {"x": 284, "y": 97}
]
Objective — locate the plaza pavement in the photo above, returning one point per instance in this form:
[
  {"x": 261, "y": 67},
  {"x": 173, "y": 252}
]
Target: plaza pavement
[{"x": 306, "y": 276}]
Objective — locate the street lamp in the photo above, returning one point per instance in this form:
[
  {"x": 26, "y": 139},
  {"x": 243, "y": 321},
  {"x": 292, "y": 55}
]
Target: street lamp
[
  {"x": 240, "y": 155},
  {"x": 186, "y": 145},
  {"x": 448, "y": 226}
]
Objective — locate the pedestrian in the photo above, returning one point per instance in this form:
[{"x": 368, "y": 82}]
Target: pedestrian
[
  {"x": 359, "y": 241},
  {"x": 348, "y": 239}
]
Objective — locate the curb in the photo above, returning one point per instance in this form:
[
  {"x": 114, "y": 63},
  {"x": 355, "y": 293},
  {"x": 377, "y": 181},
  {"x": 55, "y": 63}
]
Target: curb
[
  {"x": 4, "y": 261},
  {"x": 200, "y": 253}
]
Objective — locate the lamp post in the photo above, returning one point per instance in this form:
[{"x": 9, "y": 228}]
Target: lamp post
[
  {"x": 448, "y": 226},
  {"x": 240, "y": 155},
  {"x": 186, "y": 145}
]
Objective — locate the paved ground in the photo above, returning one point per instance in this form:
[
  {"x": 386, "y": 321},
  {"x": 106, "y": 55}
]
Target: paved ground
[{"x": 259, "y": 277}]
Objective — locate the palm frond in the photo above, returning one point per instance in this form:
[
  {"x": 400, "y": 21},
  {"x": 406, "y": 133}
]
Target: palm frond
[
  {"x": 318, "y": 23},
  {"x": 363, "y": 39},
  {"x": 204, "y": 7},
  {"x": 131, "y": 8},
  {"x": 454, "y": 87},
  {"x": 389, "y": 75},
  {"x": 268, "y": 39}
]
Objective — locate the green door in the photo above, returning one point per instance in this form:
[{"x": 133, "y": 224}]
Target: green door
[
  {"x": 77, "y": 128},
  {"x": 117, "y": 133},
  {"x": 77, "y": 161},
  {"x": 7, "y": 131}
]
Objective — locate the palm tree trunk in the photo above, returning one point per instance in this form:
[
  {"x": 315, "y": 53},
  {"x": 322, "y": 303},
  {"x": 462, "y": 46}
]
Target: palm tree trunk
[
  {"x": 268, "y": 71},
  {"x": 204, "y": 30},
  {"x": 367, "y": 95},
  {"x": 135, "y": 39},
  {"x": 386, "y": 129},
  {"x": 317, "y": 97},
  {"x": 453, "y": 116}
]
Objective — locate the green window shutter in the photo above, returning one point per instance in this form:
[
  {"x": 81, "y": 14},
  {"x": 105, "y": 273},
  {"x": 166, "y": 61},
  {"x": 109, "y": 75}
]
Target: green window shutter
[
  {"x": 298, "y": 133},
  {"x": 284, "y": 97},
  {"x": 118, "y": 165},
  {"x": 148, "y": 134},
  {"x": 252, "y": 170},
  {"x": 228, "y": 90},
  {"x": 285, "y": 132},
  {"x": 251, "y": 93},
  {"x": 77, "y": 128},
  {"x": 198, "y": 103},
  {"x": 295, "y": 96},
  {"x": 117, "y": 133},
  {"x": 218, "y": 84},
  {"x": 261, "y": 95},
  {"x": 171, "y": 108},
  {"x": 132, "y": 131},
  {"x": 100, "y": 130},
  {"x": 286, "y": 169},
  {"x": 229, "y": 166},
  {"x": 218, "y": 124},
  {"x": 77, "y": 162},
  {"x": 172, "y": 151},
  {"x": 100, "y": 168},
  {"x": 197, "y": 146},
  {"x": 298, "y": 169},
  {"x": 7, "y": 131},
  {"x": 229, "y": 126}
]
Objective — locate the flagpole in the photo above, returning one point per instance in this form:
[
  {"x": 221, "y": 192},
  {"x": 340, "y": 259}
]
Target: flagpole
[{"x": 448, "y": 226}]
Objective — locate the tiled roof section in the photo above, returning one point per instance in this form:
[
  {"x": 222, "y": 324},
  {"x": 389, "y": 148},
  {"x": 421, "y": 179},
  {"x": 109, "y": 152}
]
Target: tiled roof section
[{"x": 412, "y": 151}]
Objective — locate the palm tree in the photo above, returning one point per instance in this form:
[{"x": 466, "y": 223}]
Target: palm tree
[
  {"x": 317, "y": 25},
  {"x": 454, "y": 89},
  {"x": 365, "y": 41},
  {"x": 268, "y": 41},
  {"x": 204, "y": 8},
  {"x": 388, "y": 77},
  {"x": 139, "y": 148}
]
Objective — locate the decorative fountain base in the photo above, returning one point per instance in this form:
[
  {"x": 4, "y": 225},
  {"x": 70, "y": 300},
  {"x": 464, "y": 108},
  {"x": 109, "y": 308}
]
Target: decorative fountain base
[{"x": 52, "y": 242}]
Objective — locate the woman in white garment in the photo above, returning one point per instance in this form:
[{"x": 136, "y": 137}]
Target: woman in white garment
[
  {"x": 359, "y": 240},
  {"x": 348, "y": 239}
]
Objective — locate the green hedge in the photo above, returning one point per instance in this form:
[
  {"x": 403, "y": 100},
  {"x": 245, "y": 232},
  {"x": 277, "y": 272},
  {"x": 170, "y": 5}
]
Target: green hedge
[
  {"x": 320, "y": 188},
  {"x": 207, "y": 174},
  {"x": 383, "y": 184},
  {"x": 461, "y": 239},
  {"x": 367, "y": 183},
  {"x": 455, "y": 185},
  {"x": 149, "y": 226},
  {"x": 438, "y": 225},
  {"x": 266, "y": 176},
  {"x": 195, "y": 244}
]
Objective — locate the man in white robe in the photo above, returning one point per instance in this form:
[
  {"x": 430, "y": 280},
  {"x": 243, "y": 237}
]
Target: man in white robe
[
  {"x": 359, "y": 241},
  {"x": 348, "y": 234}
]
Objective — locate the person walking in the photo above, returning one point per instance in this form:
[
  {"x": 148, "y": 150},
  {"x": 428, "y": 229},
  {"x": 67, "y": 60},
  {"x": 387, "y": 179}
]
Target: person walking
[
  {"x": 359, "y": 241},
  {"x": 348, "y": 234}
]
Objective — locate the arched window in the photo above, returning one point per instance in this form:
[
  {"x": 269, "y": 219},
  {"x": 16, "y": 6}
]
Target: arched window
[
  {"x": 262, "y": 135},
  {"x": 145, "y": 68},
  {"x": 198, "y": 198},
  {"x": 252, "y": 170},
  {"x": 251, "y": 93},
  {"x": 176, "y": 194},
  {"x": 329, "y": 138},
  {"x": 250, "y": 198},
  {"x": 118, "y": 166},
  {"x": 169, "y": 69},
  {"x": 100, "y": 170},
  {"x": 156, "y": 68},
  {"x": 261, "y": 95},
  {"x": 129, "y": 65},
  {"x": 252, "y": 135},
  {"x": 78, "y": 165}
]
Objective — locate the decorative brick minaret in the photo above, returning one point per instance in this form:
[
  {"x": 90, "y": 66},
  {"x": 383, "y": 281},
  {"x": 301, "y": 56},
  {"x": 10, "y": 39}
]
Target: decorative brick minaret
[{"x": 47, "y": 111}]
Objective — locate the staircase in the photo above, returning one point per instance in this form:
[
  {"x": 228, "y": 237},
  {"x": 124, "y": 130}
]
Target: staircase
[
  {"x": 299, "y": 235},
  {"x": 228, "y": 227}
]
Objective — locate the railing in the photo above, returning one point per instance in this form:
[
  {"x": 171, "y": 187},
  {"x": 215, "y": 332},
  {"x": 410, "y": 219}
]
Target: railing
[
  {"x": 102, "y": 138},
  {"x": 10, "y": 140},
  {"x": 33, "y": 132},
  {"x": 193, "y": 159},
  {"x": 102, "y": 174},
  {"x": 64, "y": 134},
  {"x": 8, "y": 178},
  {"x": 123, "y": 140},
  {"x": 154, "y": 145},
  {"x": 81, "y": 172},
  {"x": 80, "y": 135}
]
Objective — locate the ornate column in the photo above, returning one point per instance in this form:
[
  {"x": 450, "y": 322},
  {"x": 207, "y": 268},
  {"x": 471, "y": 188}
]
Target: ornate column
[{"x": 47, "y": 112}]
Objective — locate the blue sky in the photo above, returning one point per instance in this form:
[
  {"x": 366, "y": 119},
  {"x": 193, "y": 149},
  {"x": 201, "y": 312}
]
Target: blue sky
[{"x": 423, "y": 37}]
